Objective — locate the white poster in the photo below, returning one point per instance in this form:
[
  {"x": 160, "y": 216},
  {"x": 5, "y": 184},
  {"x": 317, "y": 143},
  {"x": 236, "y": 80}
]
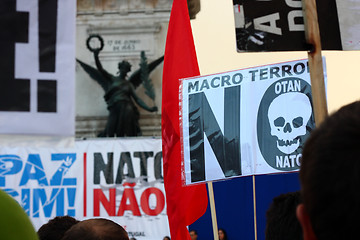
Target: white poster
[
  {"x": 116, "y": 179},
  {"x": 37, "y": 67},
  {"x": 244, "y": 122}
]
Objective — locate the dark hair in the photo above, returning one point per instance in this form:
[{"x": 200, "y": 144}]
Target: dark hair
[
  {"x": 194, "y": 231},
  {"x": 166, "y": 237},
  {"x": 330, "y": 175},
  {"x": 56, "y": 228},
  {"x": 96, "y": 229},
  {"x": 281, "y": 221}
]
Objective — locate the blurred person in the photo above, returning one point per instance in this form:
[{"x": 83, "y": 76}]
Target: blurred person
[
  {"x": 166, "y": 238},
  {"x": 330, "y": 178},
  {"x": 96, "y": 229},
  {"x": 56, "y": 228},
  {"x": 222, "y": 234},
  {"x": 14, "y": 222},
  {"x": 193, "y": 235},
  {"x": 281, "y": 221}
]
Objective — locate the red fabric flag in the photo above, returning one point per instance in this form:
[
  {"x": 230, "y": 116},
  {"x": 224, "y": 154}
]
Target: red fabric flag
[{"x": 185, "y": 204}]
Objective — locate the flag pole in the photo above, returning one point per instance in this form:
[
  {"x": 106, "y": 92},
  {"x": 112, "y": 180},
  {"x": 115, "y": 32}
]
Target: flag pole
[
  {"x": 312, "y": 34},
  {"x": 213, "y": 211}
]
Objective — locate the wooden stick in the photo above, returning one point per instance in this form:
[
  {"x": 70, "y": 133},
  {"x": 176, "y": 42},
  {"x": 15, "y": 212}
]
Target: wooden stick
[
  {"x": 254, "y": 201},
  {"x": 213, "y": 211},
  {"x": 315, "y": 61}
]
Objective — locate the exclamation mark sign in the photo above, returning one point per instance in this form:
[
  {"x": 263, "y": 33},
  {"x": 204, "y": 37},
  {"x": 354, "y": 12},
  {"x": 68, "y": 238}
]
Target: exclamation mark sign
[
  {"x": 47, "y": 88},
  {"x": 71, "y": 192}
]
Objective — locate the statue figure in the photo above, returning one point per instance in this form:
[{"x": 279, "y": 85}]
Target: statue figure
[{"x": 120, "y": 93}]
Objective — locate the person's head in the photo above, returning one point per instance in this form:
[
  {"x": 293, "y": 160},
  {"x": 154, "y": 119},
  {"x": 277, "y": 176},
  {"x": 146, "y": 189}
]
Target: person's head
[
  {"x": 56, "y": 228},
  {"x": 166, "y": 238},
  {"x": 281, "y": 221},
  {"x": 96, "y": 229},
  {"x": 193, "y": 235},
  {"x": 124, "y": 67},
  {"x": 222, "y": 234},
  {"x": 330, "y": 178}
]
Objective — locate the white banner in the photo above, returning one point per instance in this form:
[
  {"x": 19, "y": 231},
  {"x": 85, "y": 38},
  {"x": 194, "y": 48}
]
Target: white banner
[
  {"x": 115, "y": 179},
  {"x": 244, "y": 122},
  {"x": 37, "y": 67}
]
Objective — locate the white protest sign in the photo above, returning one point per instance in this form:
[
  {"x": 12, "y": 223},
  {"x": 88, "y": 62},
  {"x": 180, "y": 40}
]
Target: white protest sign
[
  {"x": 38, "y": 67},
  {"x": 119, "y": 180},
  {"x": 244, "y": 122}
]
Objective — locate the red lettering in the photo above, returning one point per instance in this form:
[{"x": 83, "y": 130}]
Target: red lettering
[
  {"x": 109, "y": 205},
  {"x": 129, "y": 202},
  {"x": 130, "y": 205},
  {"x": 160, "y": 201}
]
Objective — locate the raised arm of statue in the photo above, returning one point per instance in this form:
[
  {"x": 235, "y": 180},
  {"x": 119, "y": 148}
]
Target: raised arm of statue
[
  {"x": 99, "y": 66},
  {"x": 96, "y": 50}
]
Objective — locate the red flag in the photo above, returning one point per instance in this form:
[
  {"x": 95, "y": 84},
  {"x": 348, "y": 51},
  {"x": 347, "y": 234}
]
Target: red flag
[{"x": 185, "y": 204}]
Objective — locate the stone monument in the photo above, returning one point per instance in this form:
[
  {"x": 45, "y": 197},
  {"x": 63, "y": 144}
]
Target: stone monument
[{"x": 127, "y": 27}]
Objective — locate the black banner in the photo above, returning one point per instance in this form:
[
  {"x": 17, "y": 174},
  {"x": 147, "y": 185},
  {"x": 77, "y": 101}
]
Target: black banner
[{"x": 278, "y": 25}]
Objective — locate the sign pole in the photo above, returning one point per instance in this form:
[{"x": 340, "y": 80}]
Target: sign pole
[
  {"x": 312, "y": 33},
  {"x": 213, "y": 211},
  {"x": 254, "y": 201}
]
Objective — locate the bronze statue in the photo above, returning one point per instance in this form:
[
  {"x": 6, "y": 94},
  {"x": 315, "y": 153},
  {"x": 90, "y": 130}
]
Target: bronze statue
[{"x": 120, "y": 93}]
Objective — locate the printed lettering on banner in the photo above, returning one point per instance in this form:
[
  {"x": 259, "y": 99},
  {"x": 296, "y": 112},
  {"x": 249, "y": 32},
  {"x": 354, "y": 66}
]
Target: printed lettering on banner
[
  {"x": 121, "y": 180},
  {"x": 245, "y": 122}
]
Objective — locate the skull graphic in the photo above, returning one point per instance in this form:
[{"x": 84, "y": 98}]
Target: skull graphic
[{"x": 288, "y": 116}]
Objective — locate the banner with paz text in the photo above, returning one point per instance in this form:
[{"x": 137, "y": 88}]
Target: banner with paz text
[{"x": 121, "y": 180}]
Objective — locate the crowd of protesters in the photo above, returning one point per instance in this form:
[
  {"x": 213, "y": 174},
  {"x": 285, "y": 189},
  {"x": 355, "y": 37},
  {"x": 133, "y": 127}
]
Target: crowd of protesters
[{"x": 327, "y": 206}]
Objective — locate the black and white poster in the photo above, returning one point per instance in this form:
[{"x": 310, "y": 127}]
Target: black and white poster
[
  {"x": 278, "y": 25},
  {"x": 245, "y": 122},
  {"x": 37, "y": 66}
]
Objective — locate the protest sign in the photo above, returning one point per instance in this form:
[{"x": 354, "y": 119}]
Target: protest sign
[
  {"x": 119, "y": 180},
  {"x": 278, "y": 25},
  {"x": 37, "y": 67},
  {"x": 245, "y": 122}
]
